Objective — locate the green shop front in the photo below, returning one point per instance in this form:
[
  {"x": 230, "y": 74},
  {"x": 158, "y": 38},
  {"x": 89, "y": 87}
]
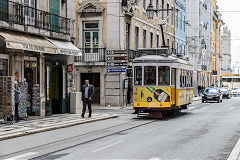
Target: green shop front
[{"x": 58, "y": 79}]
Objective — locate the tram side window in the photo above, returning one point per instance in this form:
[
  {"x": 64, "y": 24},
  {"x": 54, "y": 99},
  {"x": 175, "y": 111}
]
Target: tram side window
[
  {"x": 173, "y": 76},
  {"x": 163, "y": 76},
  {"x": 138, "y": 76},
  {"x": 149, "y": 75}
]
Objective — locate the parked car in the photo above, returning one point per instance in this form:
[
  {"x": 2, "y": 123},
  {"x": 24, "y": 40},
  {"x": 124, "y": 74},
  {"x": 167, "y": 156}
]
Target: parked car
[
  {"x": 225, "y": 92},
  {"x": 212, "y": 94},
  {"x": 235, "y": 92}
]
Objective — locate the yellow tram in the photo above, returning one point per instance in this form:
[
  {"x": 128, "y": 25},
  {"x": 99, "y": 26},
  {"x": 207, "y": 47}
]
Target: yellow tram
[{"x": 162, "y": 85}]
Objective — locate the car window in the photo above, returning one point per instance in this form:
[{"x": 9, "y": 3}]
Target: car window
[
  {"x": 211, "y": 90},
  {"x": 224, "y": 89}
]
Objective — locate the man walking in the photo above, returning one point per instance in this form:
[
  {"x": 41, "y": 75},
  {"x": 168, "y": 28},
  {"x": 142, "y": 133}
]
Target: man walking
[{"x": 87, "y": 94}]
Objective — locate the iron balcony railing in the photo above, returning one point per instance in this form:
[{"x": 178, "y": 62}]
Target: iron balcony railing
[
  {"x": 17, "y": 13},
  {"x": 91, "y": 55}
]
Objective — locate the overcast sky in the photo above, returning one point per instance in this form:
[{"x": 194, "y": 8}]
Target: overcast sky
[{"x": 232, "y": 20}]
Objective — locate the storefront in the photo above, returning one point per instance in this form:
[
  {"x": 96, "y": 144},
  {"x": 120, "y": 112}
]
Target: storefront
[
  {"x": 58, "y": 80},
  {"x": 40, "y": 65},
  {"x": 23, "y": 58}
]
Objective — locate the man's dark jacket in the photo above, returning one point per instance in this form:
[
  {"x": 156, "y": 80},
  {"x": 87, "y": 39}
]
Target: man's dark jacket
[{"x": 90, "y": 91}]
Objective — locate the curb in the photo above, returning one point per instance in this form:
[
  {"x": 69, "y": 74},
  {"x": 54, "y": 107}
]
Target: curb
[
  {"x": 54, "y": 128},
  {"x": 235, "y": 152}
]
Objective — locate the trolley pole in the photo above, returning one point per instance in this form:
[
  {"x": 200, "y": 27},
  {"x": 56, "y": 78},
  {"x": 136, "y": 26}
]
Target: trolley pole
[{"x": 121, "y": 90}]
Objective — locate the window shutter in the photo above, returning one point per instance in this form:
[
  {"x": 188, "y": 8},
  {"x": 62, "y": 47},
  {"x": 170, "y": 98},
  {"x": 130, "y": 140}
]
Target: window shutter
[
  {"x": 54, "y": 10},
  {"x": 4, "y": 10}
]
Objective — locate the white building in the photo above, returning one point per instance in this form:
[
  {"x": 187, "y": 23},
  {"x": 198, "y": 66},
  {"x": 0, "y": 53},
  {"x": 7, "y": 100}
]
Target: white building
[{"x": 225, "y": 54}]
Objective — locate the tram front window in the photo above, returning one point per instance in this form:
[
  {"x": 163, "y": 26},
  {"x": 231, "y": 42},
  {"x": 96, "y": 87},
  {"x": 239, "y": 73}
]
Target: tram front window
[
  {"x": 150, "y": 75},
  {"x": 138, "y": 76},
  {"x": 163, "y": 76}
]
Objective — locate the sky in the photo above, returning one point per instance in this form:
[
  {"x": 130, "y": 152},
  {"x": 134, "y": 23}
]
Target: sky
[{"x": 232, "y": 20}]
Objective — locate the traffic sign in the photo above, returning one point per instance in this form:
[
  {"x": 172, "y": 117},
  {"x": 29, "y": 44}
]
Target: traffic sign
[{"x": 116, "y": 70}]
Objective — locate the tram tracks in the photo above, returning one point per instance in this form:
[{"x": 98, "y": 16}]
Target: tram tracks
[{"x": 57, "y": 146}]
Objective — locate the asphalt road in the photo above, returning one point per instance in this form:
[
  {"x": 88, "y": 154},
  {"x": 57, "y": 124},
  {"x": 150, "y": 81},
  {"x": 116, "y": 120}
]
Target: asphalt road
[{"x": 205, "y": 131}]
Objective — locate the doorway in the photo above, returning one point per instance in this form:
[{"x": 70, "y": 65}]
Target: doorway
[
  {"x": 30, "y": 76},
  {"x": 94, "y": 79},
  {"x": 56, "y": 88}
]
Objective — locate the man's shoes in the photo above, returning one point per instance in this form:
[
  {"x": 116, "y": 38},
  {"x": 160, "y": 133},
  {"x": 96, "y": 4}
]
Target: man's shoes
[
  {"x": 82, "y": 116},
  {"x": 89, "y": 116}
]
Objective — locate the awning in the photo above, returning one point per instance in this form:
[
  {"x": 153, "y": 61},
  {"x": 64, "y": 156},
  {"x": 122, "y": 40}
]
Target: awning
[
  {"x": 66, "y": 48},
  {"x": 27, "y": 42}
]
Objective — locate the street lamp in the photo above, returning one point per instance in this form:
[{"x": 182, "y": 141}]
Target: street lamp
[
  {"x": 203, "y": 44},
  {"x": 150, "y": 11}
]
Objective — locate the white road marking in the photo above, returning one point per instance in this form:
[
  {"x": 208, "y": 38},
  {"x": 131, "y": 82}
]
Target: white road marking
[
  {"x": 22, "y": 156},
  {"x": 235, "y": 152},
  {"x": 155, "y": 158},
  {"x": 150, "y": 130},
  {"x": 99, "y": 149}
]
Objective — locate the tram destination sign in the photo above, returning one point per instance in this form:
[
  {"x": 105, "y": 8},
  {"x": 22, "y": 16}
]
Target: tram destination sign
[{"x": 116, "y": 58}]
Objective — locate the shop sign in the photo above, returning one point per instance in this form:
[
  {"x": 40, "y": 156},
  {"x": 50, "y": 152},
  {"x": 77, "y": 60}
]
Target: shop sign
[
  {"x": 70, "y": 68},
  {"x": 69, "y": 52},
  {"x": 33, "y": 47}
]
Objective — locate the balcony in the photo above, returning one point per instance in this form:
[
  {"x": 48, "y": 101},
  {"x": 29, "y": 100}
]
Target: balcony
[
  {"x": 91, "y": 55},
  {"x": 16, "y": 13}
]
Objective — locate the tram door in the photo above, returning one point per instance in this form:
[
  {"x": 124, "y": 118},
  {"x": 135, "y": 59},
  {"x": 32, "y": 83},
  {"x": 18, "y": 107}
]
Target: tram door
[{"x": 173, "y": 83}]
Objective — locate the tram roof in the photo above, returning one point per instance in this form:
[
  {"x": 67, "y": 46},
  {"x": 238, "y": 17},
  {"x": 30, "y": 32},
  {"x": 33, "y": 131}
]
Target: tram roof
[{"x": 163, "y": 59}]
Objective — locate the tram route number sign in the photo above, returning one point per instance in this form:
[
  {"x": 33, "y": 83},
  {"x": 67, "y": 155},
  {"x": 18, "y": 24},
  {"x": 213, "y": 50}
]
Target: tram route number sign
[{"x": 116, "y": 70}]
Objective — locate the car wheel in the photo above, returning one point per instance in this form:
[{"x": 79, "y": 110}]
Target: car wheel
[{"x": 202, "y": 101}]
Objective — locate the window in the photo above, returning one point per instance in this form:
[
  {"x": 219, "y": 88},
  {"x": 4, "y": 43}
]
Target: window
[
  {"x": 157, "y": 6},
  {"x": 173, "y": 76},
  {"x": 151, "y": 40},
  {"x": 168, "y": 42},
  {"x": 138, "y": 75},
  {"x": 91, "y": 37},
  {"x": 167, "y": 12},
  {"x": 127, "y": 35},
  {"x": 136, "y": 2},
  {"x": 55, "y": 11},
  {"x": 4, "y": 10},
  {"x": 3, "y": 67},
  {"x": 150, "y": 75},
  {"x": 177, "y": 19},
  {"x": 144, "y": 38},
  {"x": 136, "y": 38},
  {"x": 144, "y": 4},
  {"x": 158, "y": 41},
  {"x": 162, "y": 9},
  {"x": 184, "y": 24},
  {"x": 163, "y": 76},
  {"x": 180, "y": 21},
  {"x": 172, "y": 19}
]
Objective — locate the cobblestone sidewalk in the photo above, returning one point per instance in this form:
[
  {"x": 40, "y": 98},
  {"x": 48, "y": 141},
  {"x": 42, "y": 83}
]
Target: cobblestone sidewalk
[{"x": 42, "y": 124}]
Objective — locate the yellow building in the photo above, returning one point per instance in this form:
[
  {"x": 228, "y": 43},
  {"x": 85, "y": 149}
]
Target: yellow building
[{"x": 217, "y": 23}]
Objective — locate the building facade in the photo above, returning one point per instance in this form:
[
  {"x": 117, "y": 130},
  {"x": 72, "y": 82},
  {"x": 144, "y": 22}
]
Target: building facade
[
  {"x": 225, "y": 56},
  {"x": 103, "y": 26},
  {"x": 36, "y": 49},
  {"x": 180, "y": 27}
]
